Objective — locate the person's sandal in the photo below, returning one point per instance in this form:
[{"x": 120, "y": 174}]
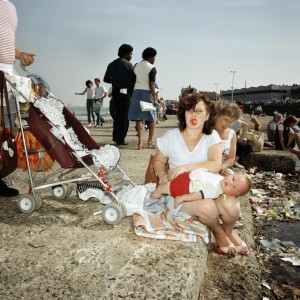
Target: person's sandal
[
  {"x": 242, "y": 249},
  {"x": 151, "y": 145},
  {"x": 141, "y": 147},
  {"x": 229, "y": 250}
]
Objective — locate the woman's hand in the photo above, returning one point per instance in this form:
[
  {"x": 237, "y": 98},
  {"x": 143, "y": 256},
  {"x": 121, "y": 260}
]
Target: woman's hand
[{"x": 177, "y": 171}]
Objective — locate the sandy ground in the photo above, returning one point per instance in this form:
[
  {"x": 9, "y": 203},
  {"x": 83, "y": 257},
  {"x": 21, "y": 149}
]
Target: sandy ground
[{"x": 51, "y": 253}]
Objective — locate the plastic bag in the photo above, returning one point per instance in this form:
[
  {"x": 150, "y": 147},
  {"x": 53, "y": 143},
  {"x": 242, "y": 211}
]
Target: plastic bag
[{"x": 146, "y": 106}]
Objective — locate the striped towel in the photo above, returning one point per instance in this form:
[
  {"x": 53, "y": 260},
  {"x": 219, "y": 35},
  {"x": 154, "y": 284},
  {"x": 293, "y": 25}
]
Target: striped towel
[{"x": 167, "y": 226}]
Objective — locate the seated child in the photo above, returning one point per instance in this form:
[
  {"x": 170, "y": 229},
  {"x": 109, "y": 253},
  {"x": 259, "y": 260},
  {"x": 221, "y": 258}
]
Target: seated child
[{"x": 200, "y": 184}]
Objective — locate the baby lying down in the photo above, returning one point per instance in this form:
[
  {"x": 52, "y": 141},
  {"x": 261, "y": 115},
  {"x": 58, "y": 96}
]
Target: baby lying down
[{"x": 200, "y": 184}]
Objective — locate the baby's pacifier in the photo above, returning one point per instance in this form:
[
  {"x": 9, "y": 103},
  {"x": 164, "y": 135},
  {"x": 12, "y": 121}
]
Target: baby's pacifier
[{"x": 193, "y": 121}]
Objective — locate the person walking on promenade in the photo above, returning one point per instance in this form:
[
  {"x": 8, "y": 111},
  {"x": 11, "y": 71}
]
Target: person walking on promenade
[
  {"x": 9, "y": 51},
  {"x": 89, "y": 101},
  {"x": 119, "y": 74},
  {"x": 100, "y": 94},
  {"x": 144, "y": 90}
]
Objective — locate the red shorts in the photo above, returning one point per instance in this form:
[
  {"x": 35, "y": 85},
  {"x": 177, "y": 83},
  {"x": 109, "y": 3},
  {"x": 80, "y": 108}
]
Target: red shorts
[{"x": 180, "y": 185}]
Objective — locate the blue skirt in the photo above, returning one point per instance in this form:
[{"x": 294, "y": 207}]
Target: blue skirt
[{"x": 135, "y": 112}]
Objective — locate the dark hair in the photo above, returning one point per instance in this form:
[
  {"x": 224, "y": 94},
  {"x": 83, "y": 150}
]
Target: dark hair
[
  {"x": 124, "y": 49},
  {"x": 88, "y": 82},
  {"x": 149, "y": 52},
  {"x": 189, "y": 102},
  {"x": 289, "y": 120}
]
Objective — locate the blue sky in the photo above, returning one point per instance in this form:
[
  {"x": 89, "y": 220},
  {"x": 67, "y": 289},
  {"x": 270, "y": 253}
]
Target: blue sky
[{"x": 198, "y": 41}]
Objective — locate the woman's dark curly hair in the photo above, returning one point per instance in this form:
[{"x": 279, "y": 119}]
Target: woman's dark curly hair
[{"x": 189, "y": 102}]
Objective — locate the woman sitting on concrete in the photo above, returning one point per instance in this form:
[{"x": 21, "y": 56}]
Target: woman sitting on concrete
[
  {"x": 196, "y": 145},
  {"x": 271, "y": 128},
  {"x": 285, "y": 137}
]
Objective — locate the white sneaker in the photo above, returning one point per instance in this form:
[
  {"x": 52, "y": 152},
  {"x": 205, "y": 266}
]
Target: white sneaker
[{"x": 90, "y": 124}]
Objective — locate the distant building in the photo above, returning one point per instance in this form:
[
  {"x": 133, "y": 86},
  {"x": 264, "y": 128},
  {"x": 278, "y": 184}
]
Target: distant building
[{"x": 263, "y": 93}]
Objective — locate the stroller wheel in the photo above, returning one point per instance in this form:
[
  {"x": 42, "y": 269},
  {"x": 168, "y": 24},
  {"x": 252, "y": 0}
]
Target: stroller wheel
[
  {"x": 27, "y": 203},
  {"x": 112, "y": 213},
  {"x": 124, "y": 210},
  {"x": 39, "y": 201},
  {"x": 59, "y": 191}
]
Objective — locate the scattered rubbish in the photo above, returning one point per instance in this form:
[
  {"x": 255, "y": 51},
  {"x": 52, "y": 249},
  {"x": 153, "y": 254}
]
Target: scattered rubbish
[
  {"x": 295, "y": 261},
  {"x": 272, "y": 245},
  {"x": 266, "y": 285}
]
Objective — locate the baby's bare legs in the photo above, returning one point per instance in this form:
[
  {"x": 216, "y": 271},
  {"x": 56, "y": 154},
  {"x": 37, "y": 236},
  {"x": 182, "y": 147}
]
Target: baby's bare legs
[{"x": 162, "y": 189}]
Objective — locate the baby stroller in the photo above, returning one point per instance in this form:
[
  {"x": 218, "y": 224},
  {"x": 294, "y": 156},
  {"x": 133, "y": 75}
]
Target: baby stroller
[{"x": 67, "y": 142}]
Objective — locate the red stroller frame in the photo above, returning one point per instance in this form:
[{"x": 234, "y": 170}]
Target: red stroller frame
[{"x": 48, "y": 135}]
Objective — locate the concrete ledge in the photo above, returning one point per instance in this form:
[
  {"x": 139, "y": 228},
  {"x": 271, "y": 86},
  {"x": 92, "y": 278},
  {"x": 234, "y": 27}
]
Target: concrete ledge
[
  {"x": 272, "y": 160},
  {"x": 155, "y": 269}
]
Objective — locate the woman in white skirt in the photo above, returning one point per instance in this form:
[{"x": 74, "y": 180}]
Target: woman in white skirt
[{"x": 144, "y": 90}]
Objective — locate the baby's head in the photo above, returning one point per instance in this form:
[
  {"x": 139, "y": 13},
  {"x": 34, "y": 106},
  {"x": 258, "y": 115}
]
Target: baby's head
[{"x": 236, "y": 185}]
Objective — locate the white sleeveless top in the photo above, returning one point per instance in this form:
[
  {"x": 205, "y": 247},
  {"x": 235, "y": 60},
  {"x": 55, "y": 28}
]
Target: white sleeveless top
[
  {"x": 226, "y": 144},
  {"x": 142, "y": 70},
  {"x": 90, "y": 93}
]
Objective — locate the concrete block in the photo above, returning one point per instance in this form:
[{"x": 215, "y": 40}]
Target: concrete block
[{"x": 272, "y": 160}]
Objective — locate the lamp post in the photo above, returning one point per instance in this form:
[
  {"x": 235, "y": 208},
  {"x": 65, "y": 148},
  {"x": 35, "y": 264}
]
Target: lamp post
[
  {"x": 216, "y": 84},
  {"x": 233, "y": 72}
]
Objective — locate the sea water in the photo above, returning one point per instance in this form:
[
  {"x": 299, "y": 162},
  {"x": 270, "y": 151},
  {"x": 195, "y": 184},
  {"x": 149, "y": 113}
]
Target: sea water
[{"x": 81, "y": 113}]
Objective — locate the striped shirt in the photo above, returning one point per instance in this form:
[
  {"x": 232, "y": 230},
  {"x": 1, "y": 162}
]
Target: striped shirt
[{"x": 8, "y": 26}]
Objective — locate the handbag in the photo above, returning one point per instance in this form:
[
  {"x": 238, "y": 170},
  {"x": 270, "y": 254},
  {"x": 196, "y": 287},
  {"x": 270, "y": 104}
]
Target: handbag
[
  {"x": 146, "y": 106},
  {"x": 96, "y": 107},
  {"x": 39, "y": 159},
  {"x": 8, "y": 150},
  {"x": 256, "y": 139},
  {"x": 150, "y": 176}
]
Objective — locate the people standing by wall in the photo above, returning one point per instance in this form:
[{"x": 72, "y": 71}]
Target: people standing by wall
[
  {"x": 144, "y": 90},
  {"x": 89, "y": 101},
  {"x": 162, "y": 103},
  {"x": 119, "y": 74},
  {"x": 258, "y": 110},
  {"x": 100, "y": 94},
  {"x": 9, "y": 51}
]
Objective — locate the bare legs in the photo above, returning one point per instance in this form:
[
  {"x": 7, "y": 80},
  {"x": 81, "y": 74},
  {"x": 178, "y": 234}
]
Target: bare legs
[
  {"x": 140, "y": 128},
  {"x": 294, "y": 137}
]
